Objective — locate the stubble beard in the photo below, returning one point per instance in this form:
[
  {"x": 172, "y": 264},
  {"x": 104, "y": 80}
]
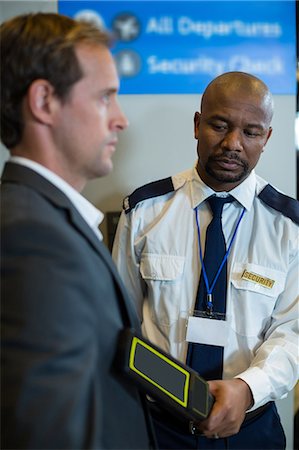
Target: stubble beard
[{"x": 228, "y": 177}]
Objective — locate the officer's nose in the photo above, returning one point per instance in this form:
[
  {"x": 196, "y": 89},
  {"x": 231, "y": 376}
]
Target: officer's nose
[{"x": 233, "y": 141}]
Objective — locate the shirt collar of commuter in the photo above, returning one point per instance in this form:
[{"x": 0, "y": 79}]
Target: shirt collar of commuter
[{"x": 89, "y": 212}]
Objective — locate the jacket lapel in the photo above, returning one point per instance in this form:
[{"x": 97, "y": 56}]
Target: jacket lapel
[{"x": 20, "y": 174}]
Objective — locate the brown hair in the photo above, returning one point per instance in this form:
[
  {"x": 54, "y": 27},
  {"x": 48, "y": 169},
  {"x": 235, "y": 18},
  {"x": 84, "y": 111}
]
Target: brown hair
[{"x": 34, "y": 46}]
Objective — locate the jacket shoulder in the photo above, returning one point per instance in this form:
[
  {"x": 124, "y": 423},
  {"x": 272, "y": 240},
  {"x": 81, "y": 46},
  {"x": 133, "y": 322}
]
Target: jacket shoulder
[
  {"x": 149, "y": 190},
  {"x": 287, "y": 206}
]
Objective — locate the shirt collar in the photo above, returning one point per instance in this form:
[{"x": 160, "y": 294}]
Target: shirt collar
[
  {"x": 89, "y": 212},
  {"x": 244, "y": 193}
]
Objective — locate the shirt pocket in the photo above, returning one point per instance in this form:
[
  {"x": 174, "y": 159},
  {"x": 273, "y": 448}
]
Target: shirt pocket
[
  {"x": 161, "y": 267},
  {"x": 255, "y": 290},
  {"x": 163, "y": 275}
]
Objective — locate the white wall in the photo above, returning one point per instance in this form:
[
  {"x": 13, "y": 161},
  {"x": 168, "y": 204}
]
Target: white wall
[{"x": 160, "y": 142}]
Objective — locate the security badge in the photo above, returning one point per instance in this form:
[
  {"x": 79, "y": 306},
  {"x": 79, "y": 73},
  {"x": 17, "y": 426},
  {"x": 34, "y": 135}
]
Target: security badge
[
  {"x": 203, "y": 328},
  {"x": 255, "y": 278}
]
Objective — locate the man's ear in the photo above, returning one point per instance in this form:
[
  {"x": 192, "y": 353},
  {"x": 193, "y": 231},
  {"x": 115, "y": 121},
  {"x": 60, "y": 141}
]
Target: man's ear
[
  {"x": 269, "y": 134},
  {"x": 196, "y": 124},
  {"x": 268, "y": 137},
  {"x": 41, "y": 101}
]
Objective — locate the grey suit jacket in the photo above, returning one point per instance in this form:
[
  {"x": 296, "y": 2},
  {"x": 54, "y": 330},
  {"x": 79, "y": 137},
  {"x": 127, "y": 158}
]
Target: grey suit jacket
[{"x": 63, "y": 306}]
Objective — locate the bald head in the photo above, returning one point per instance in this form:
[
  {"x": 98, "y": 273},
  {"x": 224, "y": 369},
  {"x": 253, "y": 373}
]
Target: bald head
[{"x": 235, "y": 84}]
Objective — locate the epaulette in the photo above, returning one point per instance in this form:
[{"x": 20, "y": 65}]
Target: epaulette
[
  {"x": 150, "y": 190},
  {"x": 288, "y": 206}
]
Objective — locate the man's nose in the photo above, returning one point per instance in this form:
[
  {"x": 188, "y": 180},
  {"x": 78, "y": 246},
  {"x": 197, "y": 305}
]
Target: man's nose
[
  {"x": 122, "y": 122},
  {"x": 233, "y": 140},
  {"x": 119, "y": 121}
]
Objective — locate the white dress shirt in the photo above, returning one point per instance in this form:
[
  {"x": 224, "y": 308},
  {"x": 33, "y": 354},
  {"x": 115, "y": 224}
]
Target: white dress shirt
[
  {"x": 90, "y": 213},
  {"x": 156, "y": 252}
]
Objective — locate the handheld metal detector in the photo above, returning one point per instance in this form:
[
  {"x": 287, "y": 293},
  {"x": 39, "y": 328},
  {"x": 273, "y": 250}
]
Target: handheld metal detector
[{"x": 172, "y": 384}]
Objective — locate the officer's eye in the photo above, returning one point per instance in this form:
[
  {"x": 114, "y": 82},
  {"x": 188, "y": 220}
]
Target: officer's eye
[
  {"x": 252, "y": 133},
  {"x": 218, "y": 126}
]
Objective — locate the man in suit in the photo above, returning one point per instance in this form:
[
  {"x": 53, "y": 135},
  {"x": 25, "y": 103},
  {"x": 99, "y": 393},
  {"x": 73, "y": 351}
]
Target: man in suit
[{"x": 63, "y": 304}]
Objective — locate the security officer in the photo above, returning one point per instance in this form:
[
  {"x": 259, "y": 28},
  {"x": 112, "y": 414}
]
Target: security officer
[{"x": 159, "y": 249}]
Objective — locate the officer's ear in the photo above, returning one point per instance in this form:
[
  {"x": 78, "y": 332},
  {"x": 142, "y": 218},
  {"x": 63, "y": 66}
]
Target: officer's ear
[
  {"x": 269, "y": 134},
  {"x": 197, "y": 116},
  {"x": 267, "y": 138}
]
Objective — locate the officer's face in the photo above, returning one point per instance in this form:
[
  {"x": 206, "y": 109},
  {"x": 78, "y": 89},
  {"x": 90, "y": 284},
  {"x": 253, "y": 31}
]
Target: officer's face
[{"x": 232, "y": 131}]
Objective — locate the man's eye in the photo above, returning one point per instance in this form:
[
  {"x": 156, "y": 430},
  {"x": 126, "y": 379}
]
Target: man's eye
[
  {"x": 251, "y": 133},
  {"x": 219, "y": 127},
  {"x": 106, "y": 98}
]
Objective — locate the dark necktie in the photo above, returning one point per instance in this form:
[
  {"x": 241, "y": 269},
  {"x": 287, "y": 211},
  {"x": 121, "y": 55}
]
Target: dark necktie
[{"x": 207, "y": 360}]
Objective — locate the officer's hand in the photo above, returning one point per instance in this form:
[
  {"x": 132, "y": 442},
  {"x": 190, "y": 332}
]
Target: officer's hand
[{"x": 232, "y": 399}]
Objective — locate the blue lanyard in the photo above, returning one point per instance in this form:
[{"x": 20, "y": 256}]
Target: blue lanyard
[{"x": 208, "y": 287}]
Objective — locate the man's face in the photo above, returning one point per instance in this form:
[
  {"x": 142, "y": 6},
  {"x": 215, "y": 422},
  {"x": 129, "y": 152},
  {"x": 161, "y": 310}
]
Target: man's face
[
  {"x": 87, "y": 123},
  {"x": 232, "y": 131}
]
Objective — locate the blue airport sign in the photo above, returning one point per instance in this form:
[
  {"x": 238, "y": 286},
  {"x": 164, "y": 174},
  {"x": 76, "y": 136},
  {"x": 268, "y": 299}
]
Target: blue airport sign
[{"x": 178, "y": 47}]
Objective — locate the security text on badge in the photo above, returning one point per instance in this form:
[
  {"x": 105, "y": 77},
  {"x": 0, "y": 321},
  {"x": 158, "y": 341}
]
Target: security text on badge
[{"x": 255, "y": 278}]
